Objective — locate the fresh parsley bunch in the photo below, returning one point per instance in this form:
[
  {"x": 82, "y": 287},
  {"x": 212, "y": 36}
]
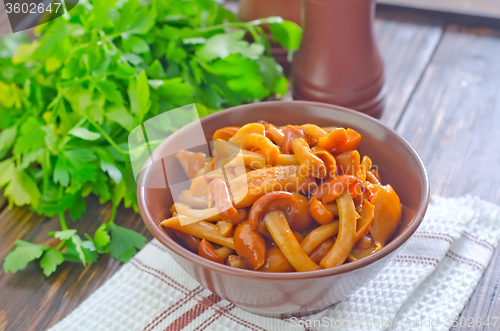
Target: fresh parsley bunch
[{"x": 69, "y": 99}]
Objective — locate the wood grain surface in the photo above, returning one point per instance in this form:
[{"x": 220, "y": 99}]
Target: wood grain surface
[
  {"x": 453, "y": 121},
  {"x": 406, "y": 46},
  {"x": 29, "y": 300},
  {"x": 453, "y": 117},
  {"x": 442, "y": 95}
]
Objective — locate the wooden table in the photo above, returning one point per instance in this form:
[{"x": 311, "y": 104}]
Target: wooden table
[{"x": 443, "y": 96}]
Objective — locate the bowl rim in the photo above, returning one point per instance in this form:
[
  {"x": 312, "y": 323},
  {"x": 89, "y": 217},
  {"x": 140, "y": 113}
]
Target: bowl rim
[{"x": 396, "y": 243}]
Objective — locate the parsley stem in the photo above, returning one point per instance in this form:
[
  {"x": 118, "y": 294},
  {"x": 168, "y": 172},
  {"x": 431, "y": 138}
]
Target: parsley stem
[
  {"x": 113, "y": 214},
  {"x": 107, "y": 137},
  {"x": 63, "y": 114},
  {"x": 23, "y": 118},
  {"x": 54, "y": 109},
  {"x": 61, "y": 245},
  {"x": 109, "y": 41},
  {"x": 254, "y": 34},
  {"x": 46, "y": 170},
  {"x": 62, "y": 221},
  {"x": 79, "y": 123}
]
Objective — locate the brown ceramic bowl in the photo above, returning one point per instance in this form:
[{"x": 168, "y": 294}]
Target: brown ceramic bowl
[{"x": 299, "y": 293}]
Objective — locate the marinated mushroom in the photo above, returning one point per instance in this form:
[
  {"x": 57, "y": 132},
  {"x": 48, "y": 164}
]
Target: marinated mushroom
[{"x": 292, "y": 198}]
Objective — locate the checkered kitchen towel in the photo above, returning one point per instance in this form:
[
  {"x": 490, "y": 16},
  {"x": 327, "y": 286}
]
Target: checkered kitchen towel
[{"x": 425, "y": 287}]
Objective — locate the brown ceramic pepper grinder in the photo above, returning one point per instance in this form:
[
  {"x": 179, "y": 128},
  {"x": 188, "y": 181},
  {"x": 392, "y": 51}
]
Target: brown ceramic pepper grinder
[{"x": 338, "y": 61}]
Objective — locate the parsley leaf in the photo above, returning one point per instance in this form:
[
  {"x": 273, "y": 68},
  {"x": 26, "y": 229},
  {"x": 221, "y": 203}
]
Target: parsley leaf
[
  {"x": 31, "y": 138},
  {"x": 75, "y": 250},
  {"x": 7, "y": 139},
  {"x": 51, "y": 203},
  {"x": 63, "y": 235},
  {"x": 136, "y": 45},
  {"x": 110, "y": 90},
  {"x": 71, "y": 97},
  {"x": 138, "y": 92},
  {"x": 23, "y": 253},
  {"x": 102, "y": 238},
  {"x": 120, "y": 115},
  {"x": 221, "y": 45},
  {"x": 7, "y": 171},
  {"x": 22, "y": 190},
  {"x": 78, "y": 164},
  {"x": 50, "y": 260},
  {"x": 287, "y": 33},
  {"x": 84, "y": 133},
  {"x": 125, "y": 242},
  {"x": 108, "y": 165},
  {"x": 78, "y": 208}
]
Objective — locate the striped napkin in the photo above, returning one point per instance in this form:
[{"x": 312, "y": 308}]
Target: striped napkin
[{"x": 425, "y": 287}]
